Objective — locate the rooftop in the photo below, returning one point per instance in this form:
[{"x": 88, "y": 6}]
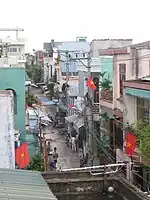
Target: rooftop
[{"x": 23, "y": 185}]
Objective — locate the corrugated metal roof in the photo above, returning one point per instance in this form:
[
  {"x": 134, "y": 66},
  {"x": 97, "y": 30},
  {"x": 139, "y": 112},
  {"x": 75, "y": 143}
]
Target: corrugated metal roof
[{"x": 23, "y": 185}]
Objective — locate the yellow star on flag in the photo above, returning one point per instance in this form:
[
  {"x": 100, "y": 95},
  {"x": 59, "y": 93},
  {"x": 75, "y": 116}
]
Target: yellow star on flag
[
  {"x": 128, "y": 144},
  {"x": 22, "y": 155}
]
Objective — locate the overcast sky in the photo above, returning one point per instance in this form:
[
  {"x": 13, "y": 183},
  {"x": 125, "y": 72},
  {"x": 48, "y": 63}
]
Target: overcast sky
[{"x": 66, "y": 19}]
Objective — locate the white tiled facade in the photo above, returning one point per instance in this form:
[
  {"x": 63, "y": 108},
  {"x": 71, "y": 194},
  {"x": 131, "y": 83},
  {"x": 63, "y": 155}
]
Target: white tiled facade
[{"x": 13, "y": 52}]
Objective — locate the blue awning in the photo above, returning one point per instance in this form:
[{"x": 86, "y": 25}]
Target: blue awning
[{"x": 137, "y": 92}]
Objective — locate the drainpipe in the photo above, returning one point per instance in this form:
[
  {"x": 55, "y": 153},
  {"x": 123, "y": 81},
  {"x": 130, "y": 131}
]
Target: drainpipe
[{"x": 136, "y": 64}]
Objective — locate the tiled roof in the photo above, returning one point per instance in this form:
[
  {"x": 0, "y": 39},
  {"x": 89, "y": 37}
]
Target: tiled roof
[{"x": 23, "y": 185}]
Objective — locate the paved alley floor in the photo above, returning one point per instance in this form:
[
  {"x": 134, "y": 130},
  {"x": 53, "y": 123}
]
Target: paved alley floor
[{"x": 67, "y": 158}]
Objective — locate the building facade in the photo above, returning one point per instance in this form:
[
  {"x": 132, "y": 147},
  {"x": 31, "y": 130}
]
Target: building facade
[
  {"x": 12, "y": 52},
  {"x": 14, "y": 79},
  {"x": 7, "y": 154},
  {"x": 101, "y": 44}
]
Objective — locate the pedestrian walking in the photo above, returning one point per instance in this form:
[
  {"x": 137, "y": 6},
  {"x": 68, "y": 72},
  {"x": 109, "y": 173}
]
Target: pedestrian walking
[
  {"x": 55, "y": 157},
  {"x": 48, "y": 148},
  {"x": 73, "y": 143},
  {"x": 51, "y": 161}
]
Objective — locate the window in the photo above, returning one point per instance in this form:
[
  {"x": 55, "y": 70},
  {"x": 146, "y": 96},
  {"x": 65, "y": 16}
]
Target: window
[
  {"x": 82, "y": 40},
  {"x": 122, "y": 77},
  {"x": 143, "y": 107},
  {"x": 13, "y": 50},
  {"x": 63, "y": 73},
  {"x": 19, "y": 49},
  {"x": 70, "y": 73}
]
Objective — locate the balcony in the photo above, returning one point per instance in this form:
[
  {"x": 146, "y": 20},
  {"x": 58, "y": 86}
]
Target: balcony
[{"x": 107, "y": 95}]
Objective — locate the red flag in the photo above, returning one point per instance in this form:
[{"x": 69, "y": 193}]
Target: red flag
[
  {"x": 22, "y": 156},
  {"x": 91, "y": 84},
  {"x": 130, "y": 144}
]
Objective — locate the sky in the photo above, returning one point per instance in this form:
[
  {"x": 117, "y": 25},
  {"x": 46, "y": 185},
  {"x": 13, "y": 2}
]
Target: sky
[{"x": 64, "y": 20}]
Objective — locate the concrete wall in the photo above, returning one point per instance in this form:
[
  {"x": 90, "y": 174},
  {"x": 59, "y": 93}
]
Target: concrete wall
[
  {"x": 144, "y": 63},
  {"x": 14, "y": 78},
  {"x": 81, "y": 183},
  {"x": 97, "y": 45},
  {"x": 130, "y": 112},
  {"x": 139, "y": 61},
  {"x": 7, "y": 156}
]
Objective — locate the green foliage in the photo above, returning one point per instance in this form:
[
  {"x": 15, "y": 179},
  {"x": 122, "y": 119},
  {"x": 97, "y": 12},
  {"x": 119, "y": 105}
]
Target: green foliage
[
  {"x": 31, "y": 99},
  {"x": 142, "y": 131},
  {"x": 37, "y": 163},
  {"x": 143, "y": 134},
  {"x": 102, "y": 74},
  {"x": 34, "y": 72},
  {"x": 105, "y": 84},
  {"x": 104, "y": 116}
]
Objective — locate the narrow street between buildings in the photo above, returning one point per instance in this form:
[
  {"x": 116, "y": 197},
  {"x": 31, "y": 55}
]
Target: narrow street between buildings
[{"x": 66, "y": 158}]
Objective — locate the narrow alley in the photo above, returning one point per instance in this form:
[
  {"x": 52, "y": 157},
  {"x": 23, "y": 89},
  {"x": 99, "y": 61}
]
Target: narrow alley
[{"x": 67, "y": 158}]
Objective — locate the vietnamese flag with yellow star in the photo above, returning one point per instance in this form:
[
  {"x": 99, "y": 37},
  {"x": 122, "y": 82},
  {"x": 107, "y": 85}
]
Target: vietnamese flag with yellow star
[
  {"x": 130, "y": 144},
  {"x": 91, "y": 84},
  {"x": 22, "y": 156}
]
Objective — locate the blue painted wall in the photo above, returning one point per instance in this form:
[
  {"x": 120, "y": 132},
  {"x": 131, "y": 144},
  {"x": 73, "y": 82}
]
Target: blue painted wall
[{"x": 14, "y": 78}]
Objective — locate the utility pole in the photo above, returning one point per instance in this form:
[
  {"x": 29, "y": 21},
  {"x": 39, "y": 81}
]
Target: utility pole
[
  {"x": 89, "y": 68},
  {"x": 67, "y": 79},
  {"x": 45, "y": 151},
  {"x": 88, "y": 110},
  {"x": 40, "y": 131}
]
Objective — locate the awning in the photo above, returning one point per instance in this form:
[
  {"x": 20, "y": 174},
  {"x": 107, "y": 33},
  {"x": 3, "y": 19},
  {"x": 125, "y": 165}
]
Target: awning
[
  {"x": 137, "y": 92},
  {"x": 71, "y": 118},
  {"x": 78, "y": 124}
]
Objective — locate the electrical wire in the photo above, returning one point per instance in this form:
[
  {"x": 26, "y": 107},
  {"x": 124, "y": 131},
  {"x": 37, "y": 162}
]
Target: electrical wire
[
  {"x": 104, "y": 61},
  {"x": 113, "y": 159},
  {"x": 141, "y": 57}
]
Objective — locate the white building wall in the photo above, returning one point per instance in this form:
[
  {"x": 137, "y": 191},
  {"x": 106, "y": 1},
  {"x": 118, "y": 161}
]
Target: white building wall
[
  {"x": 7, "y": 154},
  {"x": 13, "y": 52},
  {"x": 130, "y": 112},
  {"x": 144, "y": 63},
  {"x": 47, "y": 68}
]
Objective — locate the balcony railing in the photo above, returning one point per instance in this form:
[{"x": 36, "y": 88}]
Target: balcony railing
[
  {"x": 95, "y": 108},
  {"x": 107, "y": 95}
]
